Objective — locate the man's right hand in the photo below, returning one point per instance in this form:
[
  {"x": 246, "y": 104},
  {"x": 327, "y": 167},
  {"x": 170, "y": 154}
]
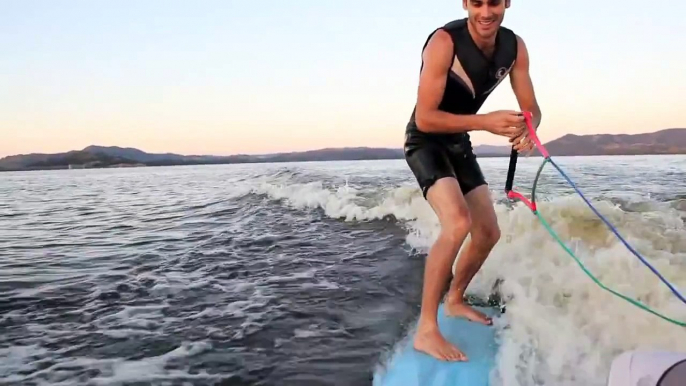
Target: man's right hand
[{"x": 506, "y": 123}]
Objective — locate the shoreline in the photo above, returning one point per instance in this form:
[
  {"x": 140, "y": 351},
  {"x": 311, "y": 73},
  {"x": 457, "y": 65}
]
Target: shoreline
[{"x": 279, "y": 161}]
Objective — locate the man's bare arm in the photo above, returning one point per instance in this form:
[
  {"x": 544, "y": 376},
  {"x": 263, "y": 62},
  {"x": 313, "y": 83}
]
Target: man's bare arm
[
  {"x": 522, "y": 86},
  {"x": 437, "y": 58}
]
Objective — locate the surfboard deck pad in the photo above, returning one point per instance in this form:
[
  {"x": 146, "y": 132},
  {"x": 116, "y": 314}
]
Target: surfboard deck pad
[{"x": 409, "y": 367}]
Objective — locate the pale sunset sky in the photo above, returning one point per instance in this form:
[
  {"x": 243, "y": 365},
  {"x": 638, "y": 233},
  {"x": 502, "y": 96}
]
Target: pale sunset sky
[{"x": 257, "y": 76}]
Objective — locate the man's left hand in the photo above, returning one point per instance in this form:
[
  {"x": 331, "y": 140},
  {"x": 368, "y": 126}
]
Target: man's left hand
[{"x": 523, "y": 144}]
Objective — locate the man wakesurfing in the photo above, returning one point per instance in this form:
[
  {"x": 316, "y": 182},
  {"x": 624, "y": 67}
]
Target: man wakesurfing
[{"x": 462, "y": 63}]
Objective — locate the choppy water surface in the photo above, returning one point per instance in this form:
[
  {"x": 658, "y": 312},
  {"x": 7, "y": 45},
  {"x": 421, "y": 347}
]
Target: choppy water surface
[{"x": 310, "y": 273}]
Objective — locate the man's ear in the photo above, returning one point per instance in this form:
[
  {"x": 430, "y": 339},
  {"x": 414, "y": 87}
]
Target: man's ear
[
  {"x": 507, "y": 3},
  {"x": 464, "y": 4}
]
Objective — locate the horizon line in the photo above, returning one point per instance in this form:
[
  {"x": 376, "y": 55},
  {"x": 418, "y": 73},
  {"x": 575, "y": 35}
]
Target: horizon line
[{"x": 323, "y": 148}]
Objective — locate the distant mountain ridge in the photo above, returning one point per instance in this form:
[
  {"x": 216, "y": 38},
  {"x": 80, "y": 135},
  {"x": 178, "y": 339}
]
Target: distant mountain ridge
[
  {"x": 132, "y": 153},
  {"x": 669, "y": 141}
]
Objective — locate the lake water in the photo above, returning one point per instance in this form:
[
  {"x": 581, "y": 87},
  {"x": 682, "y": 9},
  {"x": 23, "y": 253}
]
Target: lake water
[{"x": 310, "y": 273}]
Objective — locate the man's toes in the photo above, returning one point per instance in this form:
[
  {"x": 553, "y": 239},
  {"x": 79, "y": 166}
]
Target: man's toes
[
  {"x": 444, "y": 355},
  {"x": 481, "y": 317},
  {"x": 461, "y": 356},
  {"x": 455, "y": 354}
]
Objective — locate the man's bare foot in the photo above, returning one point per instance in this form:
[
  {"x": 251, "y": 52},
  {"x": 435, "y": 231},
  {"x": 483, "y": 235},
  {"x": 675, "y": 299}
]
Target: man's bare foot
[
  {"x": 460, "y": 309},
  {"x": 431, "y": 341}
]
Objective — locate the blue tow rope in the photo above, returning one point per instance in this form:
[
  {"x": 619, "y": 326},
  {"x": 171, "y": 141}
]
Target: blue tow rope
[
  {"x": 531, "y": 204},
  {"x": 614, "y": 230}
]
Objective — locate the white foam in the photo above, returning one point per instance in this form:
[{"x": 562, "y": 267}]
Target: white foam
[
  {"x": 344, "y": 202},
  {"x": 563, "y": 329},
  {"x": 560, "y": 328}
]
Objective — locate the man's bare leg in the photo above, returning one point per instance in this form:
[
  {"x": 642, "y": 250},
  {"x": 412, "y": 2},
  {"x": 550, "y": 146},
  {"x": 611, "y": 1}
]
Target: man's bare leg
[
  {"x": 445, "y": 197},
  {"x": 485, "y": 233}
]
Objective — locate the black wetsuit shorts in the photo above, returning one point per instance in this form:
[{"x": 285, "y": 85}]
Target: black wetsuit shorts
[{"x": 435, "y": 156}]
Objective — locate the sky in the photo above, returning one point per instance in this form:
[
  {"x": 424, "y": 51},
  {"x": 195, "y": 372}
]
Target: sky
[{"x": 259, "y": 76}]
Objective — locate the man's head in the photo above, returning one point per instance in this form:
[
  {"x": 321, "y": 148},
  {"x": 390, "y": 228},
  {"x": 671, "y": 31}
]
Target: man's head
[{"x": 485, "y": 16}]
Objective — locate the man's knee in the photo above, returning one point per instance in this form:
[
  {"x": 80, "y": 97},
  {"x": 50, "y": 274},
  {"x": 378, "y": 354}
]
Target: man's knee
[
  {"x": 486, "y": 235},
  {"x": 457, "y": 224},
  {"x": 453, "y": 211}
]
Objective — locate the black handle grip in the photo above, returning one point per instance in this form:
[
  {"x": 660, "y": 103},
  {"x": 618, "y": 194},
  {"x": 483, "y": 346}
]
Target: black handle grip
[{"x": 511, "y": 170}]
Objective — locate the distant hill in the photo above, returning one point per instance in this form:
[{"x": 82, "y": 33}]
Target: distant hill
[
  {"x": 77, "y": 159},
  {"x": 490, "y": 150},
  {"x": 670, "y": 141},
  {"x": 132, "y": 153}
]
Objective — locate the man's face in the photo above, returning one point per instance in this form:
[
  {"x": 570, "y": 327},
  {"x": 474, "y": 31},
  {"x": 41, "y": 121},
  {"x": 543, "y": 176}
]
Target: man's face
[{"x": 485, "y": 16}]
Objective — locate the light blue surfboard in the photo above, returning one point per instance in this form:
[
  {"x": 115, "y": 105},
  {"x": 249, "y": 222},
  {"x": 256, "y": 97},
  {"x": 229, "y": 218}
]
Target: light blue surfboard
[{"x": 409, "y": 367}]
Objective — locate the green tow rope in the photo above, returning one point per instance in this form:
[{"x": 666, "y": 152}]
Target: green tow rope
[
  {"x": 603, "y": 286},
  {"x": 532, "y": 205}
]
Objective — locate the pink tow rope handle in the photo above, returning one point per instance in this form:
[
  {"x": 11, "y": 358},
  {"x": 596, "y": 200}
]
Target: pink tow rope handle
[{"x": 511, "y": 194}]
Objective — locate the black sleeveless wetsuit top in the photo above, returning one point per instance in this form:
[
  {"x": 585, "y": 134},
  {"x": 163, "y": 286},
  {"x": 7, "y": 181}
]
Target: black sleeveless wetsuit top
[{"x": 472, "y": 76}]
